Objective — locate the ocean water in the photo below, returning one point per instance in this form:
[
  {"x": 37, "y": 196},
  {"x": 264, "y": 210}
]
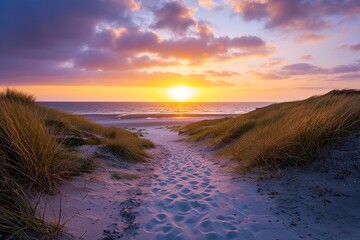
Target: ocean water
[{"x": 156, "y": 109}]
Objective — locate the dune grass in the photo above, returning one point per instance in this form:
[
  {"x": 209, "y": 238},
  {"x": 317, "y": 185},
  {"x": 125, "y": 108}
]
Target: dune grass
[
  {"x": 284, "y": 134},
  {"x": 19, "y": 218},
  {"x": 123, "y": 144},
  {"x": 12, "y": 95},
  {"x": 31, "y": 154},
  {"x": 37, "y": 152}
]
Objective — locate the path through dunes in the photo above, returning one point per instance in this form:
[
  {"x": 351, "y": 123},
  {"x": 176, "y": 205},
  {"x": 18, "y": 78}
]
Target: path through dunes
[{"x": 195, "y": 198}]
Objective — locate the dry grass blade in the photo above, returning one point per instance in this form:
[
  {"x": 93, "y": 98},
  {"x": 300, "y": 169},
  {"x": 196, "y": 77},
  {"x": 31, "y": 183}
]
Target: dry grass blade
[{"x": 285, "y": 134}]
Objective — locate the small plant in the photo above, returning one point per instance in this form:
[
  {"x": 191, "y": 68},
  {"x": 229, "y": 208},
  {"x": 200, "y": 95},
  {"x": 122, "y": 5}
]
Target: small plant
[
  {"x": 85, "y": 165},
  {"x": 125, "y": 149}
]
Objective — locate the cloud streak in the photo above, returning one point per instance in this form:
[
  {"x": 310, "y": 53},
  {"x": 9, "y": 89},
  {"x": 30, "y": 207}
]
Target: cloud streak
[
  {"x": 295, "y": 15},
  {"x": 305, "y": 69}
]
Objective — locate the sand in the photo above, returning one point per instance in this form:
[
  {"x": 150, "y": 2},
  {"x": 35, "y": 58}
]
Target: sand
[
  {"x": 194, "y": 198},
  {"x": 153, "y": 120},
  {"x": 91, "y": 205},
  {"x": 184, "y": 193},
  {"x": 322, "y": 201}
]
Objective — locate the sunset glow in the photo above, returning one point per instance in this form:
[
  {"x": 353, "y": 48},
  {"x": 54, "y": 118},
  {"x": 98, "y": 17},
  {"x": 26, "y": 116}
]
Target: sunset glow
[
  {"x": 241, "y": 50},
  {"x": 181, "y": 93}
]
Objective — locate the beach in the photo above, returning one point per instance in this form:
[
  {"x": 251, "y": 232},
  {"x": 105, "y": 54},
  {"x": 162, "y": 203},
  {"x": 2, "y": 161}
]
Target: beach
[
  {"x": 183, "y": 192},
  {"x": 179, "y": 120}
]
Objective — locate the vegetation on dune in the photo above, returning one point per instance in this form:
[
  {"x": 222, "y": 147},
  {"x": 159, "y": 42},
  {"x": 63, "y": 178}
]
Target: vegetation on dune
[
  {"x": 37, "y": 154},
  {"x": 30, "y": 153},
  {"x": 284, "y": 134},
  {"x": 12, "y": 95}
]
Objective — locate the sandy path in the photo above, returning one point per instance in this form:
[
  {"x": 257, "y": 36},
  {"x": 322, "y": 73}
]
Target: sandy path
[
  {"x": 183, "y": 194},
  {"x": 195, "y": 198}
]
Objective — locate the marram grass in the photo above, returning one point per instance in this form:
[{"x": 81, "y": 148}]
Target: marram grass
[
  {"x": 284, "y": 134},
  {"x": 37, "y": 155},
  {"x": 31, "y": 154}
]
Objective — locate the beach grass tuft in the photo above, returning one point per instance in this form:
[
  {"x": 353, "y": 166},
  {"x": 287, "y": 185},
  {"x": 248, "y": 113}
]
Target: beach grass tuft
[
  {"x": 13, "y": 95},
  {"x": 38, "y": 152},
  {"x": 30, "y": 152},
  {"x": 283, "y": 134}
]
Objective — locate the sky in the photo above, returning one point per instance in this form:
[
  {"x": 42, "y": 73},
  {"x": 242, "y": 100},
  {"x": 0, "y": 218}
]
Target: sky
[{"x": 226, "y": 50}]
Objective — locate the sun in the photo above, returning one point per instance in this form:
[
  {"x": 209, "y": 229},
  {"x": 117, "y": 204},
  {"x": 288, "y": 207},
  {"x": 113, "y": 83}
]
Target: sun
[{"x": 181, "y": 93}]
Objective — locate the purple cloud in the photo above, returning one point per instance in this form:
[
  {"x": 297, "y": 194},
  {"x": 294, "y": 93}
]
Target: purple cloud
[
  {"x": 136, "y": 40},
  {"x": 312, "y": 38},
  {"x": 306, "y": 57},
  {"x": 301, "y": 69},
  {"x": 346, "y": 68},
  {"x": 174, "y": 16},
  {"x": 299, "y": 14},
  {"x": 79, "y": 41},
  {"x": 29, "y": 25},
  {"x": 355, "y": 47},
  {"x": 347, "y": 77}
]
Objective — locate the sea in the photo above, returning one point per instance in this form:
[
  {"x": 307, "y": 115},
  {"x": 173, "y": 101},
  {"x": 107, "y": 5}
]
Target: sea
[
  {"x": 155, "y": 109},
  {"x": 150, "y": 114}
]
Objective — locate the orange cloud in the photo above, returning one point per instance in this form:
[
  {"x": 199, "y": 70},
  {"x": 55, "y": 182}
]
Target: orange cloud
[{"x": 312, "y": 38}]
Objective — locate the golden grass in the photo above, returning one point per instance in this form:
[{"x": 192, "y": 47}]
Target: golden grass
[
  {"x": 19, "y": 218},
  {"x": 37, "y": 154},
  {"x": 13, "y": 95},
  {"x": 31, "y": 154},
  {"x": 285, "y": 134}
]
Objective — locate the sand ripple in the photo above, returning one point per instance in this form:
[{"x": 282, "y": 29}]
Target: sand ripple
[{"x": 191, "y": 199}]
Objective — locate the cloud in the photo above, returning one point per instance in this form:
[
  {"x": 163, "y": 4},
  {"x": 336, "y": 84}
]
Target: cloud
[
  {"x": 196, "y": 49},
  {"x": 136, "y": 40},
  {"x": 271, "y": 75},
  {"x": 302, "y": 69},
  {"x": 102, "y": 42},
  {"x": 312, "y": 38},
  {"x": 42, "y": 24},
  {"x": 273, "y": 62},
  {"x": 342, "y": 46},
  {"x": 174, "y": 16},
  {"x": 146, "y": 61},
  {"x": 208, "y": 3},
  {"x": 347, "y": 77},
  {"x": 355, "y": 47},
  {"x": 308, "y": 69},
  {"x": 221, "y": 73},
  {"x": 306, "y": 57},
  {"x": 345, "y": 68},
  {"x": 34, "y": 74},
  {"x": 295, "y": 15},
  {"x": 204, "y": 30}
]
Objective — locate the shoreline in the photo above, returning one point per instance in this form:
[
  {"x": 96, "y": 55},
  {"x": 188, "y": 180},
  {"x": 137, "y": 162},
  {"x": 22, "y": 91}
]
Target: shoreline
[{"x": 157, "y": 120}]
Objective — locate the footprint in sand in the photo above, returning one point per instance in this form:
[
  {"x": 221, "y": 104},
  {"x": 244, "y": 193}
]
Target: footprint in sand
[{"x": 188, "y": 201}]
